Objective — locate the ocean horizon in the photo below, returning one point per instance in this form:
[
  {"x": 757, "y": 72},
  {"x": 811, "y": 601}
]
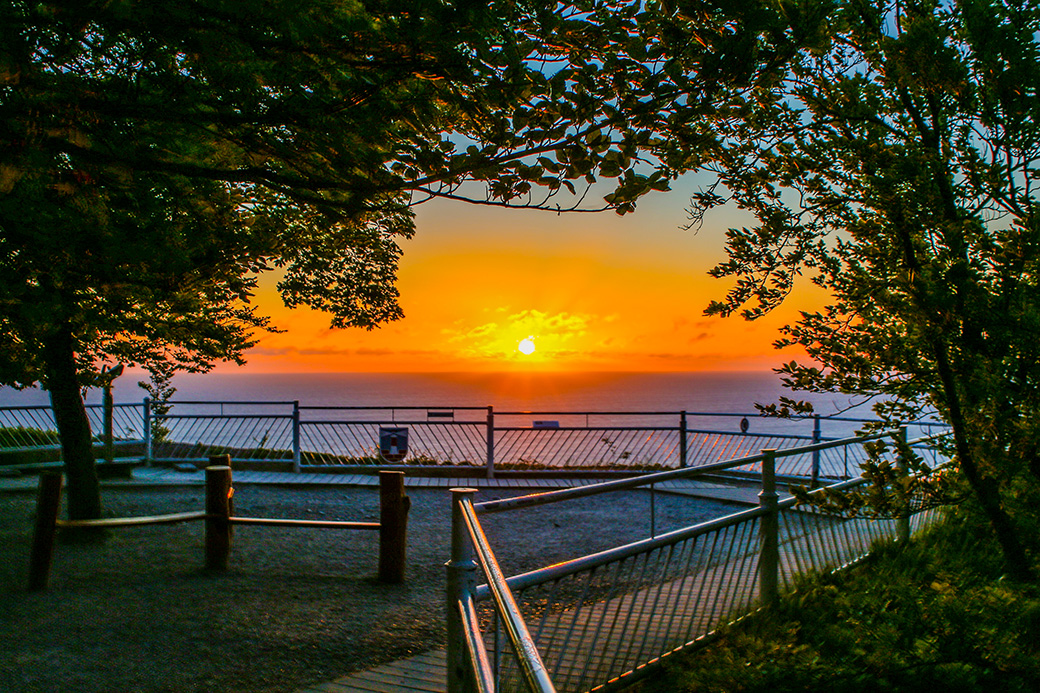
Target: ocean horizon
[{"x": 704, "y": 391}]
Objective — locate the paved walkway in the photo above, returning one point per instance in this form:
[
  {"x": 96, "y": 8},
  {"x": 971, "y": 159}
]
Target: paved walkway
[
  {"x": 143, "y": 477},
  {"x": 424, "y": 673}
]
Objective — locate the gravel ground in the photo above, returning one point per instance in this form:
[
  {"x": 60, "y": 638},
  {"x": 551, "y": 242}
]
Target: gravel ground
[{"x": 296, "y": 607}]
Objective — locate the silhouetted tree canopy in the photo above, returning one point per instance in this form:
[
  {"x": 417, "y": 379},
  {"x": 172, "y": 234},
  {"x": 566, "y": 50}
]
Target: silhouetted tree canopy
[
  {"x": 897, "y": 165},
  {"x": 156, "y": 157}
]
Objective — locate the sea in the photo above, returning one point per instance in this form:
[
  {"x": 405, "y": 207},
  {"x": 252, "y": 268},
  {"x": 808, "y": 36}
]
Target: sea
[{"x": 543, "y": 394}]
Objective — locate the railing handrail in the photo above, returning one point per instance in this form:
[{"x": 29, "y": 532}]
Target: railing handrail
[
  {"x": 595, "y": 560},
  {"x": 409, "y": 407},
  {"x": 222, "y": 416},
  {"x": 37, "y": 407},
  {"x": 478, "y": 659},
  {"x": 501, "y": 589},
  {"x": 354, "y": 422},
  {"x": 523, "y": 581},
  {"x": 657, "y": 477},
  {"x": 531, "y": 665},
  {"x": 175, "y": 402}
]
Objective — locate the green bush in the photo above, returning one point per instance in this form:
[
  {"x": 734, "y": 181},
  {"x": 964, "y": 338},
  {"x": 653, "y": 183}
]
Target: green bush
[
  {"x": 21, "y": 437},
  {"x": 937, "y": 614}
]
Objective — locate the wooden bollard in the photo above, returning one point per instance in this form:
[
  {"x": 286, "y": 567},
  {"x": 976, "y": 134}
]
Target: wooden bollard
[
  {"x": 218, "y": 509},
  {"x": 393, "y": 526},
  {"x": 225, "y": 461},
  {"x": 48, "y": 501}
]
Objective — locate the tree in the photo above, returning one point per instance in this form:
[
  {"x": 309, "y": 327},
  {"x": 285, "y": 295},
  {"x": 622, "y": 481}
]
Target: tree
[
  {"x": 897, "y": 164},
  {"x": 156, "y": 157}
]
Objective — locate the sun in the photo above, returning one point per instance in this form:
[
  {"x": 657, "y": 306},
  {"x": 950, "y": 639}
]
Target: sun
[{"x": 526, "y": 346}]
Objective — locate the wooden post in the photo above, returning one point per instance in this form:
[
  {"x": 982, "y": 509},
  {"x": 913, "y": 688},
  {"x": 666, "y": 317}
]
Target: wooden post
[
  {"x": 218, "y": 509},
  {"x": 769, "y": 532},
  {"x": 225, "y": 461},
  {"x": 48, "y": 501},
  {"x": 393, "y": 526}
]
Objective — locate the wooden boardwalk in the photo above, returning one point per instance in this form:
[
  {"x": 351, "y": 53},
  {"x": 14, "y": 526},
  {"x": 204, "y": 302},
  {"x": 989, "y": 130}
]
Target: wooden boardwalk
[
  {"x": 590, "y": 644},
  {"x": 424, "y": 673}
]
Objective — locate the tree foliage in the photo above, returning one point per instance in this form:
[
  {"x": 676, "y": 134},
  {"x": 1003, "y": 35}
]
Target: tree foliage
[
  {"x": 897, "y": 164},
  {"x": 156, "y": 157}
]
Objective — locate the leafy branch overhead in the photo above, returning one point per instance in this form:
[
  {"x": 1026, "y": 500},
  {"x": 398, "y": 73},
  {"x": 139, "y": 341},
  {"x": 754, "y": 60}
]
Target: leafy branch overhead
[
  {"x": 156, "y": 158},
  {"x": 896, "y": 165}
]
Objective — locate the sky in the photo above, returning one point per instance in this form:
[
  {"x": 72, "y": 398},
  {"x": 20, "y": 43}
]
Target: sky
[{"x": 592, "y": 292}]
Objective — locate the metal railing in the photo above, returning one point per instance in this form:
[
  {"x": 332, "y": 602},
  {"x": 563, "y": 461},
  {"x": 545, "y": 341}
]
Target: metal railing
[
  {"x": 27, "y": 429},
  {"x": 597, "y": 622},
  {"x": 474, "y": 440},
  {"x": 479, "y": 440}
]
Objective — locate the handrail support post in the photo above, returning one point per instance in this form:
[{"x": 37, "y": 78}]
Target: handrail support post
[
  {"x": 147, "y": 430},
  {"x": 462, "y": 581},
  {"x": 296, "y": 436},
  {"x": 490, "y": 442},
  {"x": 816, "y": 435},
  {"x": 769, "y": 531},
  {"x": 107, "y": 416},
  {"x": 903, "y": 520},
  {"x": 682, "y": 439}
]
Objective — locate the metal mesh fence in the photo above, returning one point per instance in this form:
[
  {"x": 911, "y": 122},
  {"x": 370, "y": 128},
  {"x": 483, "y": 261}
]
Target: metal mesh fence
[
  {"x": 243, "y": 436},
  {"x": 34, "y": 427},
  {"x": 598, "y": 620},
  {"x": 328, "y": 443},
  {"x": 597, "y": 624}
]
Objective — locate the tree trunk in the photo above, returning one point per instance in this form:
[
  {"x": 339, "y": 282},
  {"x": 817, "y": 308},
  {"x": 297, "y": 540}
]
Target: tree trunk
[
  {"x": 985, "y": 488},
  {"x": 70, "y": 415}
]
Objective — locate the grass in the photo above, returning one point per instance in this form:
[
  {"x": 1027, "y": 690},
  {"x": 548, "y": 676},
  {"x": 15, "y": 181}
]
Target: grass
[
  {"x": 20, "y": 436},
  {"x": 936, "y": 615}
]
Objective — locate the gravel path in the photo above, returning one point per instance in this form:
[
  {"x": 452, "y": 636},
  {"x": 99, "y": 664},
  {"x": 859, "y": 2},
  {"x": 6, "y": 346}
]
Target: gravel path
[{"x": 296, "y": 607}]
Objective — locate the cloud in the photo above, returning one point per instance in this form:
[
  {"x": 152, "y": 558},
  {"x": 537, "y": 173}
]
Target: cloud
[
  {"x": 479, "y": 332},
  {"x": 340, "y": 351},
  {"x": 498, "y": 340},
  {"x": 540, "y": 324}
]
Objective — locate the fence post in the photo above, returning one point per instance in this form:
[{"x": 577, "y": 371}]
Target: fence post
[
  {"x": 147, "y": 428},
  {"x": 682, "y": 438},
  {"x": 218, "y": 510},
  {"x": 48, "y": 500},
  {"x": 393, "y": 526},
  {"x": 816, "y": 453},
  {"x": 903, "y": 520},
  {"x": 106, "y": 413},
  {"x": 490, "y": 442},
  {"x": 296, "y": 436},
  {"x": 462, "y": 581},
  {"x": 769, "y": 531}
]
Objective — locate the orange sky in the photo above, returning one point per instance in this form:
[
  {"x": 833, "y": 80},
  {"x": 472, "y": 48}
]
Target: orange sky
[{"x": 595, "y": 292}]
